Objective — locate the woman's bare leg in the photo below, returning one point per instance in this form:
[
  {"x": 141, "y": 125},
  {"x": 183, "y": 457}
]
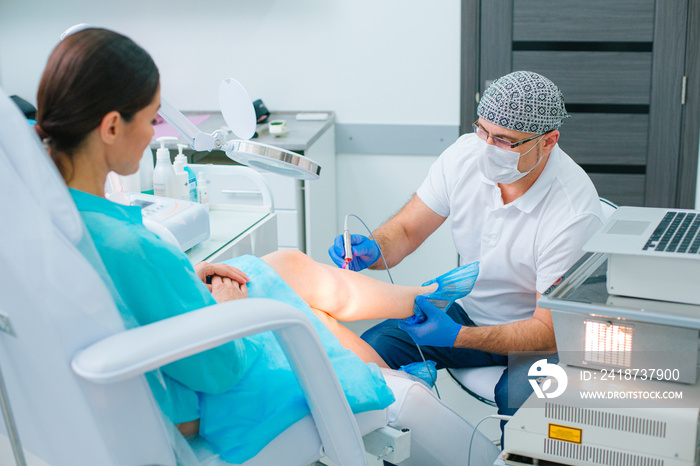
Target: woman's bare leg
[
  {"x": 349, "y": 340},
  {"x": 343, "y": 294},
  {"x": 334, "y": 293}
]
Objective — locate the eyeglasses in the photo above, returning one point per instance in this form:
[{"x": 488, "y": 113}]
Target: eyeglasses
[{"x": 500, "y": 142}]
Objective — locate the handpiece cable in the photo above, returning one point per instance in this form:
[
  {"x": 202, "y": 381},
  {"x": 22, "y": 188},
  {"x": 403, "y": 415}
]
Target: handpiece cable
[
  {"x": 502, "y": 417},
  {"x": 391, "y": 279}
]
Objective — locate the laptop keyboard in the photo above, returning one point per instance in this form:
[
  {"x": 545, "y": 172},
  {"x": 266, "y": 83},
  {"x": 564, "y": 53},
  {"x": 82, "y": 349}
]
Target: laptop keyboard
[{"x": 676, "y": 232}]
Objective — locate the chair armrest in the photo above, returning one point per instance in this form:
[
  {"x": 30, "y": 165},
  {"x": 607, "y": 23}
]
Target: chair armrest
[
  {"x": 142, "y": 349},
  {"x": 145, "y": 348}
]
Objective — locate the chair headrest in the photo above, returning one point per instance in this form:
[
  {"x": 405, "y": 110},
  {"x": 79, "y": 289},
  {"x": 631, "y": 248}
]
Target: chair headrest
[{"x": 29, "y": 163}]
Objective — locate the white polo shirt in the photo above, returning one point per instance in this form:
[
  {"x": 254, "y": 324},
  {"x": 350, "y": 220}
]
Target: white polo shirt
[{"x": 524, "y": 246}]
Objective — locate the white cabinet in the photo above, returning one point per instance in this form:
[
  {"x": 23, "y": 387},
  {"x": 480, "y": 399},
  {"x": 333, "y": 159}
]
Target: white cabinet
[
  {"x": 306, "y": 210},
  {"x": 290, "y": 231},
  {"x": 320, "y": 206},
  {"x": 288, "y": 197}
]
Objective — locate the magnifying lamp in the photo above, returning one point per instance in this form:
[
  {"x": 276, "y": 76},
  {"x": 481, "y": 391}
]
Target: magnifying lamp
[{"x": 239, "y": 114}]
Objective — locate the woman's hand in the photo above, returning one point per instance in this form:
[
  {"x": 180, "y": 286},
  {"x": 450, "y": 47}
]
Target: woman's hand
[
  {"x": 224, "y": 289},
  {"x": 205, "y": 269}
]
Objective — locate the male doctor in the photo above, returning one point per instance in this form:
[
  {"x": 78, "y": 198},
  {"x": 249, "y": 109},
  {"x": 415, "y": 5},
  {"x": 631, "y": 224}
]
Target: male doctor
[{"x": 520, "y": 206}]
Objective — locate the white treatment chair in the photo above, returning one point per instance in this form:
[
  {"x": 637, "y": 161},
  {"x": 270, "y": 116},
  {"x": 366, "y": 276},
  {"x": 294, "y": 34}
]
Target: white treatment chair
[
  {"x": 73, "y": 375},
  {"x": 480, "y": 382}
]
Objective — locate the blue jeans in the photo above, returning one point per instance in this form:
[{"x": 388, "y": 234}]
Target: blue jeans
[{"x": 397, "y": 349}]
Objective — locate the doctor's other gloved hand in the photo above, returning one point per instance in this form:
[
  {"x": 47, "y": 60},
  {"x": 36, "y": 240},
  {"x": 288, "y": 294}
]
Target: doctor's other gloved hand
[
  {"x": 438, "y": 329},
  {"x": 365, "y": 252}
]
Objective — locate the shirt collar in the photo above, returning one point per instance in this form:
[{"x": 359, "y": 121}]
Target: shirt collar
[
  {"x": 90, "y": 203},
  {"x": 528, "y": 201}
]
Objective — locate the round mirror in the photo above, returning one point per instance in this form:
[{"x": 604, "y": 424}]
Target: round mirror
[{"x": 236, "y": 108}]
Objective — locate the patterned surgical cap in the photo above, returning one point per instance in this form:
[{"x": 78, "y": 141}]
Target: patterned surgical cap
[{"x": 523, "y": 101}]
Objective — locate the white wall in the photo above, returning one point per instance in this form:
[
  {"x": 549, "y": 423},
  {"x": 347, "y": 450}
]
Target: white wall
[{"x": 390, "y": 61}]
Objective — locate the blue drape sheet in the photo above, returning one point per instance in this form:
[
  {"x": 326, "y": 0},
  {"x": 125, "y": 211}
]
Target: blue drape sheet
[{"x": 268, "y": 399}]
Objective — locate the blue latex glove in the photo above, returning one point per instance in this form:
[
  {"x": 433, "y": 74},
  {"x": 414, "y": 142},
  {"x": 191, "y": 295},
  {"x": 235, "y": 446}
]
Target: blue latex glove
[
  {"x": 365, "y": 252},
  {"x": 438, "y": 329}
]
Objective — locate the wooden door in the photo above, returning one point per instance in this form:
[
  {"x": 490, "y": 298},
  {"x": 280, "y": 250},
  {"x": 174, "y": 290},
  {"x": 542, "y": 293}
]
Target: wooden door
[{"x": 620, "y": 66}]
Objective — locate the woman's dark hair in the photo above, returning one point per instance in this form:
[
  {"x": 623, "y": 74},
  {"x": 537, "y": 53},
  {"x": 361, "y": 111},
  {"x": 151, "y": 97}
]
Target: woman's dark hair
[{"x": 89, "y": 74}]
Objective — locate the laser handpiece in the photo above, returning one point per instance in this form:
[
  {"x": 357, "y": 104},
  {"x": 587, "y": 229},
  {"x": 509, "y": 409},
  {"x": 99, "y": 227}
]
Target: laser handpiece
[{"x": 348, "y": 244}]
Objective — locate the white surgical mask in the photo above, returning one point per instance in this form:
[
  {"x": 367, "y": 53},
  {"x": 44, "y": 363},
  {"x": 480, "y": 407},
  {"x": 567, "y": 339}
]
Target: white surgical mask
[{"x": 500, "y": 165}]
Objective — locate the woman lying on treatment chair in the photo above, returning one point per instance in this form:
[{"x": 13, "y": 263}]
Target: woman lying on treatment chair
[{"x": 97, "y": 99}]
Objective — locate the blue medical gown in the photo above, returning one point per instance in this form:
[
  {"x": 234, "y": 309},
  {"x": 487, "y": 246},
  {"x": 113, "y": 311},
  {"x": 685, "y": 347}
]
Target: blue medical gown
[{"x": 244, "y": 392}]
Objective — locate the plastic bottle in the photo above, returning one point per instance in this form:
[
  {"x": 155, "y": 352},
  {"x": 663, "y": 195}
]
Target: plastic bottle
[
  {"x": 146, "y": 171},
  {"x": 163, "y": 174},
  {"x": 181, "y": 183},
  {"x": 191, "y": 177},
  {"x": 132, "y": 183},
  {"x": 202, "y": 192}
]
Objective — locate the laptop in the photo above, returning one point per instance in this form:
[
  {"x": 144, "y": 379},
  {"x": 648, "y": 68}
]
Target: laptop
[{"x": 654, "y": 253}]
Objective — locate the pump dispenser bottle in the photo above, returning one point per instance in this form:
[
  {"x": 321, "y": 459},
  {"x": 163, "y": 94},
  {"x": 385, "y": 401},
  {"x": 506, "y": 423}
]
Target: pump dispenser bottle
[
  {"x": 191, "y": 177},
  {"x": 182, "y": 190},
  {"x": 202, "y": 190},
  {"x": 146, "y": 171},
  {"x": 132, "y": 183},
  {"x": 164, "y": 175}
]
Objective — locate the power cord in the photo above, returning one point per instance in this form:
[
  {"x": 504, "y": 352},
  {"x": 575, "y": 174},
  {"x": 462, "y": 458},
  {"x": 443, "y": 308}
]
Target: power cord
[
  {"x": 501, "y": 417},
  {"x": 381, "y": 254},
  {"x": 391, "y": 279}
]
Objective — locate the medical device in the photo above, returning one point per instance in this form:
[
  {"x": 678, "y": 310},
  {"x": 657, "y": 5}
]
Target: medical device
[
  {"x": 626, "y": 381},
  {"x": 562, "y": 432},
  {"x": 187, "y": 222},
  {"x": 181, "y": 223},
  {"x": 654, "y": 253},
  {"x": 348, "y": 244}
]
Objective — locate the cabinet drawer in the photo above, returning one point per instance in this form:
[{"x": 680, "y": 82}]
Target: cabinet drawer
[
  {"x": 286, "y": 191},
  {"x": 288, "y": 225}
]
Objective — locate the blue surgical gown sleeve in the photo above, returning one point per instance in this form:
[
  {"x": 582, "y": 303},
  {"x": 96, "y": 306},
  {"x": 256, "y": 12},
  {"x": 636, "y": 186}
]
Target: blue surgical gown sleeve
[{"x": 156, "y": 281}]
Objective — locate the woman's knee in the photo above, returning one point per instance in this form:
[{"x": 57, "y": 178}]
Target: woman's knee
[
  {"x": 287, "y": 259},
  {"x": 285, "y": 255}
]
